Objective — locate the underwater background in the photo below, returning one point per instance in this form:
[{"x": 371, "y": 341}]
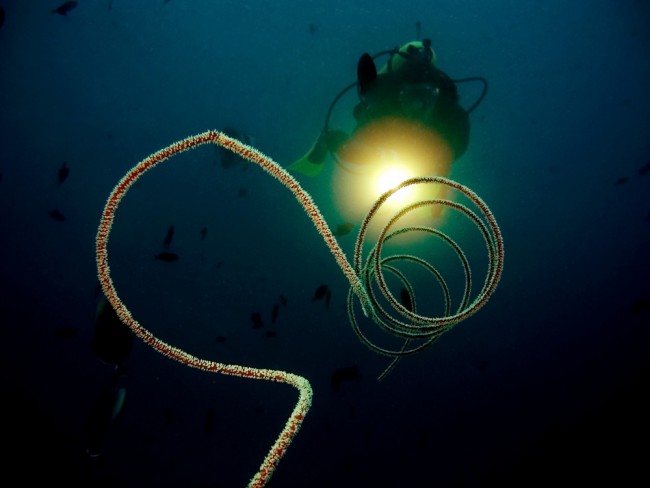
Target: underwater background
[{"x": 546, "y": 383}]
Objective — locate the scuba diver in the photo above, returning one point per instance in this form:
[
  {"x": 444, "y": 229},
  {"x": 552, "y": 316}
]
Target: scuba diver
[
  {"x": 408, "y": 117},
  {"x": 409, "y": 86}
]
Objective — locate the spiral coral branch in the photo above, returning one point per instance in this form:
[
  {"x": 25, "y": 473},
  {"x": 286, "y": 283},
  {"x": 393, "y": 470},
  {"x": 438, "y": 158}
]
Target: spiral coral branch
[
  {"x": 427, "y": 329},
  {"x": 360, "y": 277}
]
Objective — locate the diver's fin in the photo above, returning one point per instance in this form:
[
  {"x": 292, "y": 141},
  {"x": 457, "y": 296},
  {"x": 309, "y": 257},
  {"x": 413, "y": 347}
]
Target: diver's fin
[
  {"x": 312, "y": 163},
  {"x": 366, "y": 72}
]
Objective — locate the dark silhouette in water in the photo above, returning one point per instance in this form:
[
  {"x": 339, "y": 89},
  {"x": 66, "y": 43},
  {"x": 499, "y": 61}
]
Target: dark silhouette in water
[
  {"x": 56, "y": 215},
  {"x": 320, "y": 293},
  {"x": 65, "y": 8},
  {"x": 168, "y": 237},
  {"x": 113, "y": 340},
  {"x": 343, "y": 229},
  {"x": 406, "y": 299},
  {"x": 167, "y": 257},
  {"x": 228, "y": 158},
  {"x": 64, "y": 171},
  {"x": 256, "y": 318},
  {"x": 324, "y": 293},
  {"x": 621, "y": 180},
  {"x": 112, "y": 343}
]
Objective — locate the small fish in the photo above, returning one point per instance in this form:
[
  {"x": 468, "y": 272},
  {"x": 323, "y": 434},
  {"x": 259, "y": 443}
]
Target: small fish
[
  {"x": 204, "y": 233},
  {"x": 168, "y": 238},
  {"x": 283, "y": 300},
  {"x": 644, "y": 169},
  {"x": 339, "y": 375},
  {"x": 56, "y": 215},
  {"x": 328, "y": 297},
  {"x": 343, "y": 229},
  {"x": 256, "y": 318},
  {"x": 320, "y": 293},
  {"x": 64, "y": 8},
  {"x": 220, "y": 339},
  {"x": 242, "y": 192},
  {"x": 270, "y": 334},
  {"x": 406, "y": 299},
  {"x": 418, "y": 30},
  {"x": 621, "y": 180},
  {"x": 274, "y": 313},
  {"x": 312, "y": 28},
  {"x": 483, "y": 365},
  {"x": 64, "y": 171},
  {"x": 167, "y": 257},
  {"x": 2, "y": 16}
]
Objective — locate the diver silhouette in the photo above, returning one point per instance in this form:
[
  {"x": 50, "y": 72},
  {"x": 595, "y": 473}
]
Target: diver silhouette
[
  {"x": 409, "y": 93},
  {"x": 112, "y": 344}
]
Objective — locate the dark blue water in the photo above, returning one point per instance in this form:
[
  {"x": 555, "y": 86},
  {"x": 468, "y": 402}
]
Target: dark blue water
[{"x": 544, "y": 384}]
